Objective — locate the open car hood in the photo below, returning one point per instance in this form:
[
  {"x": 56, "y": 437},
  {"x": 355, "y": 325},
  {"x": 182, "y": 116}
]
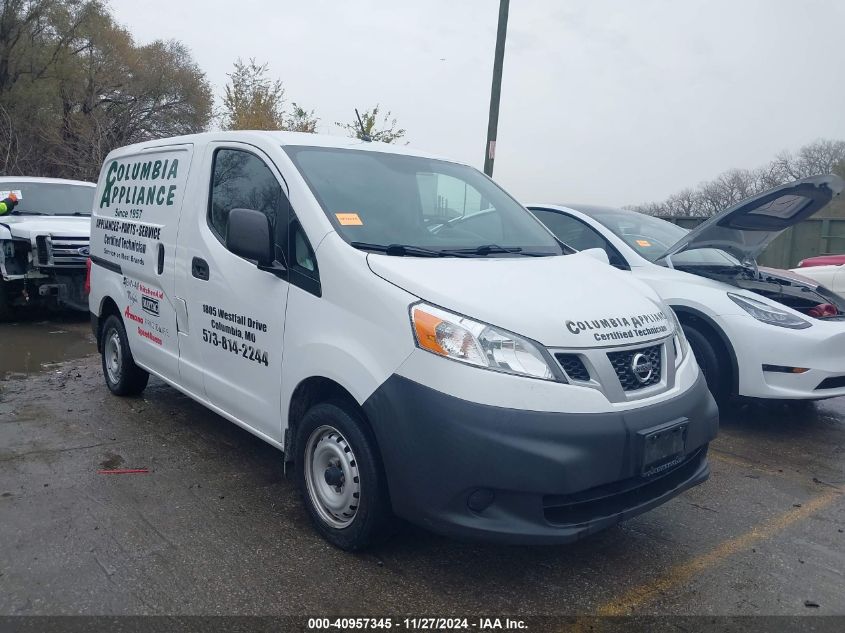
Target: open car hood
[{"x": 745, "y": 229}]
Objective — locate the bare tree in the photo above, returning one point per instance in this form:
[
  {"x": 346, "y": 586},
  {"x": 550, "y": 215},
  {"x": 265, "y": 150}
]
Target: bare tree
[
  {"x": 369, "y": 127},
  {"x": 734, "y": 185},
  {"x": 301, "y": 120},
  {"x": 252, "y": 100}
]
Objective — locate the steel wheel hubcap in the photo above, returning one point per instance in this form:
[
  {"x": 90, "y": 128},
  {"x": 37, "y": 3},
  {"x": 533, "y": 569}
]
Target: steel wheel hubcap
[
  {"x": 331, "y": 477},
  {"x": 113, "y": 353}
]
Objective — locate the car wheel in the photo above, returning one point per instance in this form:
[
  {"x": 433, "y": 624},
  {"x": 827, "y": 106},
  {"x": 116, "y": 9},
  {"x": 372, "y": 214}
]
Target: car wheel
[
  {"x": 713, "y": 362},
  {"x": 123, "y": 376},
  {"x": 341, "y": 477}
]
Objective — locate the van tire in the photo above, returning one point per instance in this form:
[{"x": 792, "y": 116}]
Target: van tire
[
  {"x": 714, "y": 365},
  {"x": 332, "y": 440},
  {"x": 123, "y": 376}
]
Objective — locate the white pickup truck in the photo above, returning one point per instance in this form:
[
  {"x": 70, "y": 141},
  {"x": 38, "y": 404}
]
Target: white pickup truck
[{"x": 44, "y": 244}]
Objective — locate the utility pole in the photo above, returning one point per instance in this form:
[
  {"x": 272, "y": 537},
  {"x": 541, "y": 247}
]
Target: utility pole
[{"x": 496, "y": 90}]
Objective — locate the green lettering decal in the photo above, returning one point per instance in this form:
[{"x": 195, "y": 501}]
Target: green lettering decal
[
  {"x": 105, "y": 198},
  {"x": 121, "y": 169},
  {"x": 171, "y": 192},
  {"x": 135, "y": 169},
  {"x": 145, "y": 171},
  {"x": 160, "y": 196},
  {"x": 156, "y": 170},
  {"x": 151, "y": 192},
  {"x": 174, "y": 167}
]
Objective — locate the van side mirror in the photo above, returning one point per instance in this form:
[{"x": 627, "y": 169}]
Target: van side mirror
[
  {"x": 597, "y": 253},
  {"x": 249, "y": 235}
]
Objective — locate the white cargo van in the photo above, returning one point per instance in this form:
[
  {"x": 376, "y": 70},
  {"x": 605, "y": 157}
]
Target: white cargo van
[{"x": 413, "y": 339}]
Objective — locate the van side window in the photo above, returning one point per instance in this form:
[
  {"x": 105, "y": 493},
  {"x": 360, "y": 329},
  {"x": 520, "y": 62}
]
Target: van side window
[
  {"x": 241, "y": 180},
  {"x": 578, "y": 235}
]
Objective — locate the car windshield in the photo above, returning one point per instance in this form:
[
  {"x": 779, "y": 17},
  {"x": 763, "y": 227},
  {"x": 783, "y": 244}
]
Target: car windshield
[
  {"x": 413, "y": 206},
  {"x": 651, "y": 237},
  {"x": 48, "y": 198}
]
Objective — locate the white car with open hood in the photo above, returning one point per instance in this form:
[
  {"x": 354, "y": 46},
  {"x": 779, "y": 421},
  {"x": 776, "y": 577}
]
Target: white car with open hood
[
  {"x": 410, "y": 336},
  {"x": 755, "y": 331},
  {"x": 44, "y": 243}
]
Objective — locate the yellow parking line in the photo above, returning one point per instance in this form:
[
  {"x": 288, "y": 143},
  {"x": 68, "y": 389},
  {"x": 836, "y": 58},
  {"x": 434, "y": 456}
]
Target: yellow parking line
[{"x": 676, "y": 576}]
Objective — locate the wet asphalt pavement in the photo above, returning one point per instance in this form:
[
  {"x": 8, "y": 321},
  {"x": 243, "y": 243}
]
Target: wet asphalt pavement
[{"x": 216, "y": 528}]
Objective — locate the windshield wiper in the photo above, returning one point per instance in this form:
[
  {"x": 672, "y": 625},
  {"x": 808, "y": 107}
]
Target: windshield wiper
[
  {"x": 492, "y": 249},
  {"x": 27, "y": 213},
  {"x": 77, "y": 213},
  {"x": 398, "y": 250}
]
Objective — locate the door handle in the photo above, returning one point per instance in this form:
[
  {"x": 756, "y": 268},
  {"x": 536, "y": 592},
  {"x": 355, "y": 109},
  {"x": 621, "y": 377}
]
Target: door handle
[{"x": 199, "y": 268}]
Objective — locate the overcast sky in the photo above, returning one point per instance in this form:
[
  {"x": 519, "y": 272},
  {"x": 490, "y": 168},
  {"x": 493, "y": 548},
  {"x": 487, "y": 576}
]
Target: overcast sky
[{"x": 611, "y": 102}]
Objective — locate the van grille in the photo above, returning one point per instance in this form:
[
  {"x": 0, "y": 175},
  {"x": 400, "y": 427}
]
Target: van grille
[
  {"x": 622, "y": 365},
  {"x": 62, "y": 252},
  {"x": 573, "y": 366}
]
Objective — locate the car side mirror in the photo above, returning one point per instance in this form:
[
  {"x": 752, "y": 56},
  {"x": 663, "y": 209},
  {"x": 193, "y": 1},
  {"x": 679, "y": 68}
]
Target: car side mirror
[
  {"x": 597, "y": 253},
  {"x": 249, "y": 235}
]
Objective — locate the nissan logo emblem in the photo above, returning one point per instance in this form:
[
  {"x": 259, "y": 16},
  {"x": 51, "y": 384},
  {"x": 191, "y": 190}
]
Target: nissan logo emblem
[{"x": 642, "y": 367}]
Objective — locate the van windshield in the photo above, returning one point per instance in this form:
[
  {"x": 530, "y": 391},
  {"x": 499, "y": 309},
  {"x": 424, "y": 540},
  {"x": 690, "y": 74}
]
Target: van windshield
[
  {"x": 48, "y": 198},
  {"x": 413, "y": 206}
]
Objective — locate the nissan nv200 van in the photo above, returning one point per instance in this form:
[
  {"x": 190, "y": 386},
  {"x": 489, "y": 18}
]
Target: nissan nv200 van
[{"x": 412, "y": 338}]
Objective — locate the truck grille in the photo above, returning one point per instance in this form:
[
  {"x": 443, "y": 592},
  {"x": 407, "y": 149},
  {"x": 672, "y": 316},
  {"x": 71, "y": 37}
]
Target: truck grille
[
  {"x": 61, "y": 252},
  {"x": 623, "y": 366}
]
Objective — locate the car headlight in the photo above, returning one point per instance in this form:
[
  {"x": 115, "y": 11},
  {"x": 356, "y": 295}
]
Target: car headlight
[
  {"x": 681, "y": 343},
  {"x": 769, "y": 314},
  {"x": 467, "y": 341}
]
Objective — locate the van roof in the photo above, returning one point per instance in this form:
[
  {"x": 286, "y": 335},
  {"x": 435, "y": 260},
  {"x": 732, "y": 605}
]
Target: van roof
[
  {"x": 38, "y": 179},
  {"x": 281, "y": 138}
]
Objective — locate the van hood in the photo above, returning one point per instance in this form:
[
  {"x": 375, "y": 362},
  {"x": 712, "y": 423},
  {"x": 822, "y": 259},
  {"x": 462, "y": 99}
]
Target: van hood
[
  {"x": 29, "y": 226},
  {"x": 747, "y": 228},
  {"x": 571, "y": 301}
]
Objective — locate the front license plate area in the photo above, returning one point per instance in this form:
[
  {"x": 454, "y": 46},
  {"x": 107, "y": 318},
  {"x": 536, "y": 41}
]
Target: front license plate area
[{"x": 663, "y": 447}]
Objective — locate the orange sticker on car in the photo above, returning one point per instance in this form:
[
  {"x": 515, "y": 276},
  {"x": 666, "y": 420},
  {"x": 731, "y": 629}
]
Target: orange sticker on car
[
  {"x": 644, "y": 243},
  {"x": 348, "y": 219}
]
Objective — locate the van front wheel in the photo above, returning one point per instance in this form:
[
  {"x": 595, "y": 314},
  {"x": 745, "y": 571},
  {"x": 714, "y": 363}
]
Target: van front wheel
[
  {"x": 123, "y": 376},
  {"x": 341, "y": 478}
]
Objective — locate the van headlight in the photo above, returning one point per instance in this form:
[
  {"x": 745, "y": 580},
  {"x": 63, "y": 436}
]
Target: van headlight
[
  {"x": 769, "y": 314},
  {"x": 467, "y": 341}
]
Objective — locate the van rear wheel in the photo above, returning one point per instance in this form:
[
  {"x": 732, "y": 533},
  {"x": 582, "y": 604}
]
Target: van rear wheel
[
  {"x": 341, "y": 477},
  {"x": 123, "y": 376}
]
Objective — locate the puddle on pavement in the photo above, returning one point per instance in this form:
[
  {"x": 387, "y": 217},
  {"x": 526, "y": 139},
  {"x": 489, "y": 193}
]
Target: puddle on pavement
[{"x": 36, "y": 346}]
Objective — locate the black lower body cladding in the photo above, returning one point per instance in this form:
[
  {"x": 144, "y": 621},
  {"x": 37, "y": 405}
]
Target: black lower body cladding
[{"x": 470, "y": 470}]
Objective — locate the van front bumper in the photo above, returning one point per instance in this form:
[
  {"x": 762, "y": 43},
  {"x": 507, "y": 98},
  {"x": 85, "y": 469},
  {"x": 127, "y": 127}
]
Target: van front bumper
[{"x": 469, "y": 470}]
